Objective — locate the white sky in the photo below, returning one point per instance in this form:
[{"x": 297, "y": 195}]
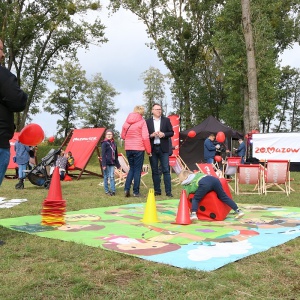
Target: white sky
[{"x": 122, "y": 60}]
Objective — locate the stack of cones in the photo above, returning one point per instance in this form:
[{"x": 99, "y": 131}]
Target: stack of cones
[
  {"x": 54, "y": 207},
  {"x": 150, "y": 214},
  {"x": 183, "y": 212}
]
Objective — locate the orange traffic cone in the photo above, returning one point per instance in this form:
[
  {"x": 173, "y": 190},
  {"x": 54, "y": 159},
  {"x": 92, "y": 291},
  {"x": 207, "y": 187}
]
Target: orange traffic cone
[
  {"x": 55, "y": 186},
  {"x": 183, "y": 213},
  {"x": 150, "y": 214}
]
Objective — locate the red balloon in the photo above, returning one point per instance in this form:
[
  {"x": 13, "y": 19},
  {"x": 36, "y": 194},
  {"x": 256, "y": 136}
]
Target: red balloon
[
  {"x": 220, "y": 137},
  {"x": 51, "y": 139},
  {"x": 31, "y": 135},
  {"x": 192, "y": 134},
  {"x": 218, "y": 158}
]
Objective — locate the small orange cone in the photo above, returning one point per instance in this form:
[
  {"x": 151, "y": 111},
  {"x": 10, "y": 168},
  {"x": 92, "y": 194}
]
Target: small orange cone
[
  {"x": 55, "y": 186},
  {"x": 150, "y": 214},
  {"x": 183, "y": 213}
]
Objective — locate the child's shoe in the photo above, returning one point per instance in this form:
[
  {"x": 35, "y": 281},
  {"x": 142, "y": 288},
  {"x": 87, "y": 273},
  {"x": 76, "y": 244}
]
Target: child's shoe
[
  {"x": 112, "y": 193},
  {"x": 239, "y": 214},
  {"x": 193, "y": 216}
]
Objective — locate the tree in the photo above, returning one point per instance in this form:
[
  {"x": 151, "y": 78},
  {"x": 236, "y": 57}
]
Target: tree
[
  {"x": 66, "y": 100},
  {"x": 38, "y": 34},
  {"x": 155, "y": 89},
  {"x": 99, "y": 109},
  {"x": 288, "y": 110}
]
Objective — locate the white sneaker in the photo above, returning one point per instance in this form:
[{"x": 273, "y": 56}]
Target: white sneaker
[
  {"x": 193, "y": 216},
  {"x": 239, "y": 214}
]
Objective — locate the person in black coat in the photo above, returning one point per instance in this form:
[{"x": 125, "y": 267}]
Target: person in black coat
[
  {"x": 12, "y": 99},
  {"x": 160, "y": 131}
]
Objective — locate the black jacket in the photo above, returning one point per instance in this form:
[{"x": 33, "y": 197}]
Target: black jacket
[
  {"x": 12, "y": 99},
  {"x": 166, "y": 128}
]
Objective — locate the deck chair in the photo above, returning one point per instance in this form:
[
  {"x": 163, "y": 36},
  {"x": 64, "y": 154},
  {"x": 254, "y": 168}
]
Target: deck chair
[
  {"x": 209, "y": 169},
  {"x": 177, "y": 165},
  {"x": 277, "y": 174},
  {"x": 83, "y": 143},
  {"x": 230, "y": 166},
  {"x": 122, "y": 174},
  {"x": 248, "y": 175}
]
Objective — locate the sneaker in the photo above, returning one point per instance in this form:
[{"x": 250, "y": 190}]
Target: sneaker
[
  {"x": 157, "y": 194},
  {"x": 169, "y": 195},
  {"x": 137, "y": 195},
  {"x": 112, "y": 193},
  {"x": 193, "y": 216},
  {"x": 127, "y": 194},
  {"x": 239, "y": 214}
]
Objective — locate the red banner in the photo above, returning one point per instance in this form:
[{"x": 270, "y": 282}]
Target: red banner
[{"x": 175, "y": 121}]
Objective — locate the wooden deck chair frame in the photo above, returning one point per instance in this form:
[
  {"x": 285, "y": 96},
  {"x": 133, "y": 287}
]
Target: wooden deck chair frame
[
  {"x": 276, "y": 174},
  {"x": 125, "y": 169},
  {"x": 177, "y": 165},
  {"x": 248, "y": 175},
  {"x": 83, "y": 143}
]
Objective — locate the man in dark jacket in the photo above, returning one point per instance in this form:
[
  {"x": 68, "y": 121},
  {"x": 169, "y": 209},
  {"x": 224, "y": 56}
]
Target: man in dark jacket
[
  {"x": 12, "y": 99},
  {"x": 160, "y": 131}
]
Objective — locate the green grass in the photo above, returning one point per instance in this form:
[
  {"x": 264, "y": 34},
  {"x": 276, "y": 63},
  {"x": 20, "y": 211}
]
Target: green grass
[{"x": 38, "y": 268}]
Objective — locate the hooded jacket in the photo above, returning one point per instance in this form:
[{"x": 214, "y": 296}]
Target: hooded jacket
[
  {"x": 12, "y": 99},
  {"x": 135, "y": 133},
  {"x": 109, "y": 153}
]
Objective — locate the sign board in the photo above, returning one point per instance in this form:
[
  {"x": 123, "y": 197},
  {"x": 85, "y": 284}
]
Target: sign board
[{"x": 276, "y": 146}]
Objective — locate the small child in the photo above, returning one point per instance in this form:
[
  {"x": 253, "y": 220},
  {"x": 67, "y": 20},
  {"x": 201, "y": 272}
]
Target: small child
[
  {"x": 70, "y": 159},
  {"x": 109, "y": 161},
  {"x": 201, "y": 184}
]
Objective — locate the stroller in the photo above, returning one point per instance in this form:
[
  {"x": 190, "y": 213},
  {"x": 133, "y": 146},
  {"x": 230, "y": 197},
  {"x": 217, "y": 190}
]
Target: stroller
[{"x": 39, "y": 175}]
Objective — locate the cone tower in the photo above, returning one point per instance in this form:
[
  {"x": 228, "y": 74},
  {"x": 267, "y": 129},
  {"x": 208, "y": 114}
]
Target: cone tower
[{"x": 54, "y": 206}]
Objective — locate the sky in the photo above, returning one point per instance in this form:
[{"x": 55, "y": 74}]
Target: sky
[{"x": 121, "y": 62}]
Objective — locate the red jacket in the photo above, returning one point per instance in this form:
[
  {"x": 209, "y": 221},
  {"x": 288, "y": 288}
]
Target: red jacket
[{"x": 135, "y": 133}]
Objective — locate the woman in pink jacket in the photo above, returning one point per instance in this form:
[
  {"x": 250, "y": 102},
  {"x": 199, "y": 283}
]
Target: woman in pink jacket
[{"x": 136, "y": 136}]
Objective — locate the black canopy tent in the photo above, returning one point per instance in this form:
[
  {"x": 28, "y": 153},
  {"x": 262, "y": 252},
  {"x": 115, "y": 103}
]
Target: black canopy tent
[{"x": 192, "y": 149}]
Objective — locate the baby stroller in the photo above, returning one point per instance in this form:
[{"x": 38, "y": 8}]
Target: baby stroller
[{"x": 39, "y": 175}]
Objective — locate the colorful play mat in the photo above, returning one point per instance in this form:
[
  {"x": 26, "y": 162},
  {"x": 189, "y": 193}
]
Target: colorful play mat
[{"x": 205, "y": 245}]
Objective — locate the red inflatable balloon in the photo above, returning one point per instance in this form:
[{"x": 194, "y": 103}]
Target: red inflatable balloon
[
  {"x": 220, "y": 137},
  {"x": 192, "y": 134},
  {"x": 51, "y": 139},
  {"x": 218, "y": 158},
  {"x": 31, "y": 135}
]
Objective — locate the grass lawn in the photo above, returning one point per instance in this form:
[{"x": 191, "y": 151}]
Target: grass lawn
[{"x": 38, "y": 268}]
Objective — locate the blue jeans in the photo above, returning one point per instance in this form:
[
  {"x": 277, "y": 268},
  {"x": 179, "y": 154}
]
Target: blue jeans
[
  {"x": 163, "y": 158},
  {"x": 4, "y": 161},
  {"x": 109, "y": 172},
  {"x": 135, "y": 160},
  {"x": 208, "y": 184},
  {"x": 21, "y": 170}
]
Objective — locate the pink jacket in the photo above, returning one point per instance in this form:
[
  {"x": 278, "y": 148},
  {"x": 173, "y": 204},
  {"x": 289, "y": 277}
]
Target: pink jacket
[{"x": 135, "y": 133}]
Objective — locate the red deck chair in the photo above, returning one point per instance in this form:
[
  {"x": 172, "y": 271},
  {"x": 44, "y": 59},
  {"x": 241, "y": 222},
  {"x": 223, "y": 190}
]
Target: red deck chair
[
  {"x": 208, "y": 169},
  {"x": 177, "y": 164},
  {"x": 83, "y": 143},
  {"x": 276, "y": 174},
  {"x": 248, "y": 175}
]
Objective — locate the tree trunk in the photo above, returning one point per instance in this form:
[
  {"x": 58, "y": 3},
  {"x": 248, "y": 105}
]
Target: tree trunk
[{"x": 251, "y": 65}]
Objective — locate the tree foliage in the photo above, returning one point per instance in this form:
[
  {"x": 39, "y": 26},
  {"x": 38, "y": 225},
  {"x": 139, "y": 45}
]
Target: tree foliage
[
  {"x": 38, "y": 34},
  {"x": 67, "y": 98},
  {"x": 154, "y": 91},
  {"x": 99, "y": 106}
]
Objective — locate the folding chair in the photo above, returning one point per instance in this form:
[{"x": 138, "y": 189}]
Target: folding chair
[
  {"x": 209, "y": 169},
  {"x": 276, "y": 174},
  {"x": 125, "y": 169},
  {"x": 248, "y": 175},
  {"x": 178, "y": 165}
]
